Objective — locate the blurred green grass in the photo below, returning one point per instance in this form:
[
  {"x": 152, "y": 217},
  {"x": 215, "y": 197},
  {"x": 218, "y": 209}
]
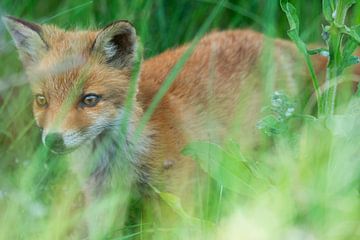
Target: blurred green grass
[{"x": 306, "y": 184}]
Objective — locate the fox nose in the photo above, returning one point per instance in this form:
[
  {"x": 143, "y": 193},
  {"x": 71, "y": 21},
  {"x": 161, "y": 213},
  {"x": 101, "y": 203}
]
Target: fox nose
[{"x": 55, "y": 141}]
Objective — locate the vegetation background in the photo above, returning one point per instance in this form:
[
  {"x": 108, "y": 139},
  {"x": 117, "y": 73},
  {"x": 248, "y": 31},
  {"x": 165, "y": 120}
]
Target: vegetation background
[{"x": 311, "y": 174}]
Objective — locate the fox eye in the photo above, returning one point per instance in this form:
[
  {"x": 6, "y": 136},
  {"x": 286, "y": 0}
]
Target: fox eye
[
  {"x": 41, "y": 100},
  {"x": 90, "y": 100}
]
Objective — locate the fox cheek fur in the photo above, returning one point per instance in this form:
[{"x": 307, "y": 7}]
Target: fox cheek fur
[{"x": 78, "y": 126}]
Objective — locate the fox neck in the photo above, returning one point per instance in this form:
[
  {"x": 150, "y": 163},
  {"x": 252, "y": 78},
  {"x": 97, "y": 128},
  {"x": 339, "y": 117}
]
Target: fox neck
[{"x": 113, "y": 153}]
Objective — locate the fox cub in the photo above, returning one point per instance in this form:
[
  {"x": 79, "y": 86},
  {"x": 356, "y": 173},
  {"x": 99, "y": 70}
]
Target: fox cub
[{"x": 81, "y": 79}]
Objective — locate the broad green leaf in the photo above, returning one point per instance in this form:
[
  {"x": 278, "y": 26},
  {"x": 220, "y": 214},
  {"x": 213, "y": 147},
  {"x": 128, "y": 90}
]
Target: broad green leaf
[
  {"x": 233, "y": 149},
  {"x": 174, "y": 202},
  {"x": 228, "y": 171}
]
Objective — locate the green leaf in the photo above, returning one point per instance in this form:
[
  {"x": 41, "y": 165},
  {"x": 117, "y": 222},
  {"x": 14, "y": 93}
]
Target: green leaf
[
  {"x": 282, "y": 106},
  {"x": 282, "y": 109},
  {"x": 230, "y": 172},
  {"x": 6, "y": 133},
  {"x": 271, "y": 125},
  {"x": 293, "y": 33},
  {"x": 352, "y": 60},
  {"x": 353, "y": 32},
  {"x": 327, "y": 10},
  {"x": 321, "y": 51},
  {"x": 349, "y": 47},
  {"x": 291, "y": 15},
  {"x": 340, "y": 12},
  {"x": 174, "y": 202},
  {"x": 348, "y": 3},
  {"x": 233, "y": 149}
]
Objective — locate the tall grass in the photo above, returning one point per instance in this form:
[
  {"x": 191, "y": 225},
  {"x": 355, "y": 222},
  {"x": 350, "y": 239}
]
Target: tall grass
[{"x": 304, "y": 185}]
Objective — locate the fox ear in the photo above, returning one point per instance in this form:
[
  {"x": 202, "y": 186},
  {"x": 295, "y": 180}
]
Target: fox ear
[
  {"x": 27, "y": 38},
  {"x": 116, "y": 44}
]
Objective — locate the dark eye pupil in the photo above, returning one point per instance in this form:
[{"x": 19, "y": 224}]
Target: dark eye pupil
[
  {"x": 90, "y": 100},
  {"x": 41, "y": 100}
]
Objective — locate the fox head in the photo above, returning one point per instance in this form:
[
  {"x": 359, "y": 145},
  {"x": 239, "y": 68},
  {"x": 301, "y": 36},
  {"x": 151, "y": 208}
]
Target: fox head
[{"x": 79, "y": 79}]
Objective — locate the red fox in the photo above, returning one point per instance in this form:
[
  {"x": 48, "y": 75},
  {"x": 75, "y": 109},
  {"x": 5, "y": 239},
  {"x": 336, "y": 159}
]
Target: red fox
[{"x": 80, "y": 80}]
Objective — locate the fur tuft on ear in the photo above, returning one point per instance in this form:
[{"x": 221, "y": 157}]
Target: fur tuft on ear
[
  {"x": 116, "y": 44},
  {"x": 27, "y": 38}
]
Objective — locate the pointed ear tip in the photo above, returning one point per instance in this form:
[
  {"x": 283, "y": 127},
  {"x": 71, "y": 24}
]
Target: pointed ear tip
[
  {"x": 5, "y": 19},
  {"x": 128, "y": 25},
  {"x": 127, "y": 22},
  {"x": 8, "y": 20},
  {"x": 13, "y": 22},
  {"x": 121, "y": 22}
]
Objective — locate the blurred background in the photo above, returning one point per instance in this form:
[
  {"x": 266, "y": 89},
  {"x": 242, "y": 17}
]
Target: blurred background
[{"x": 163, "y": 24}]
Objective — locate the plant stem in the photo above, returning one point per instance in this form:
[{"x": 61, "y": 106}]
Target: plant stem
[{"x": 334, "y": 68}]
